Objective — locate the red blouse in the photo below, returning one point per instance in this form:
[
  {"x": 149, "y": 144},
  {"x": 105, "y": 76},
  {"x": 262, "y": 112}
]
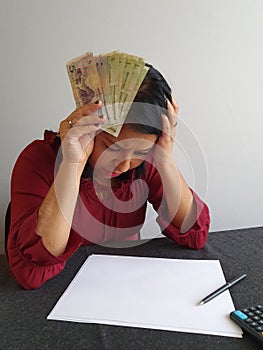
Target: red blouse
[{"x": 95, "y": 220}]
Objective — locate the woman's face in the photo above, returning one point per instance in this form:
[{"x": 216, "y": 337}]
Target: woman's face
[{"x": 120, "y": 154}]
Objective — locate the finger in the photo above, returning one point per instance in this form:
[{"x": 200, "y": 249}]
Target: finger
[
  {"x": 77, "y": 132},
  {"x": 175, "y": 105},
  {"x": 77, "y": 119},
  {"x": 90, "y": 108},
  {"x": 166, "y": 126},
  {"x": 168, "y": 129},
  {"x": 86, "y": 110},
  {"x": 94, "y": 118},
  {"x": 172, "y": 116}
]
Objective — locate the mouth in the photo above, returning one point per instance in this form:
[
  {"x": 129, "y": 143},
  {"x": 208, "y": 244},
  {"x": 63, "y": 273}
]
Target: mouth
[{"x": 114, "y": 174}]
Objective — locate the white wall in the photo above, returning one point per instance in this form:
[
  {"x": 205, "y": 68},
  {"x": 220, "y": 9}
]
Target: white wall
[{"x": 210, "y": 51}]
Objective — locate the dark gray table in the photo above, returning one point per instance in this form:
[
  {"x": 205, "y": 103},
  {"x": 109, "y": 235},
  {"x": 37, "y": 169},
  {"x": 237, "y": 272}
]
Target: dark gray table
[{"x": 23, "y": 323}]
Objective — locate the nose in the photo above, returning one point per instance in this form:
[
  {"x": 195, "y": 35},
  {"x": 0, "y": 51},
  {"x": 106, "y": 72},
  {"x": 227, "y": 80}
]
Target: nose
[{"x": 123, "y": 166}]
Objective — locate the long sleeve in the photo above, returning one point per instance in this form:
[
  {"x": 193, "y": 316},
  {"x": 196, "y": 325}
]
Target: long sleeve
[
  {"x": 30, "y": 262},
  {"x": 196, "y": 236}
]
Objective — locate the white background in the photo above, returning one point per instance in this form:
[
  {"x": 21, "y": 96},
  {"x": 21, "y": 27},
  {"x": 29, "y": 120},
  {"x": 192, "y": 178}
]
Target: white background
[{"x": 210, "y": 51}]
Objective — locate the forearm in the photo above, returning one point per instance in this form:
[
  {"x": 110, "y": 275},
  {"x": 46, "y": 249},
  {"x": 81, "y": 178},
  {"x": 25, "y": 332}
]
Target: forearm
[
  {"x": 56, "y": 212},
  {"x": 178, "y": 196}
]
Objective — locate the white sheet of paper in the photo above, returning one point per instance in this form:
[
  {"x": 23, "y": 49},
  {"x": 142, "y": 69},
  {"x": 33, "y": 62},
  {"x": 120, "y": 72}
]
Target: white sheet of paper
[{"x": 148, "y": 293}]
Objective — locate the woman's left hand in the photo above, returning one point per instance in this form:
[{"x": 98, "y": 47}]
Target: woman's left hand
[{"x": 166, "y": 140}]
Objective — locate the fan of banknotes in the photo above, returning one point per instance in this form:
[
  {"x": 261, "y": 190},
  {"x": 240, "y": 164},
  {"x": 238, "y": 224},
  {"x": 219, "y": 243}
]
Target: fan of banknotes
[{"x": 113, "y": 77}]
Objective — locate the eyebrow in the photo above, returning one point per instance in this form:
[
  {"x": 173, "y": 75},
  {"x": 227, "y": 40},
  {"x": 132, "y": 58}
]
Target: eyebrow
[{"x": 141, "y": 150}]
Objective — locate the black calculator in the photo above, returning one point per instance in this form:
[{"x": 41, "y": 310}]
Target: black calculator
[{"x": 250, "y": 320}]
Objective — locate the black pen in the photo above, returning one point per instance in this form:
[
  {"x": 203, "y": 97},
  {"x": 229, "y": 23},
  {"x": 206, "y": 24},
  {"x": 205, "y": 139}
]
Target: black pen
[{"x": 221, "y": 289}]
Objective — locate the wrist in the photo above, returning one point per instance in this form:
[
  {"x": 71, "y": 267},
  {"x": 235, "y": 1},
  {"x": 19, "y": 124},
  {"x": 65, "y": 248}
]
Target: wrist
[
  {"x": 71, "y": 170},
  {"x": 165, "y": 164}
]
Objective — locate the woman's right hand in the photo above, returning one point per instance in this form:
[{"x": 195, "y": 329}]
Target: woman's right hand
[
  {"x": 77, "y": 133},
  {"x": 56, "y": 212}
]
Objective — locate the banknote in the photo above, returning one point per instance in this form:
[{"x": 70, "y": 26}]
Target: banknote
[
  {"x": 114, "y": 77},
  {"x": 84, "y": 79}
]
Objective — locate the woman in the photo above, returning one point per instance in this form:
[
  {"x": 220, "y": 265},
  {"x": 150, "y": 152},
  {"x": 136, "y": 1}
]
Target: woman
[{"x": 85, "y": 186}]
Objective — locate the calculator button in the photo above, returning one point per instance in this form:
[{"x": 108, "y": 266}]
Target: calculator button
[
  {"x": 240, "y": 315},
  {"x": 256, "y": 318},
  {"x": 245, "y": 310},
  {"x": 251, "y": 320},
  {"x": 253, "y": 324},
  {"x": 248, "y": 320}
]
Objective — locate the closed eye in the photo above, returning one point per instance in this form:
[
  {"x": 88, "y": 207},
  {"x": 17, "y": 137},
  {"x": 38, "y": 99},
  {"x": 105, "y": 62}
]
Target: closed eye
[
  {"x": 116, "y": 148},
  {"x": 138, "y": 153},
  {"x": 142, "y": 153}
]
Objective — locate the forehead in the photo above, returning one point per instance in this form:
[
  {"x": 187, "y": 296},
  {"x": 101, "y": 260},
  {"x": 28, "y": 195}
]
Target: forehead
[{"x": 129, "y": 137}]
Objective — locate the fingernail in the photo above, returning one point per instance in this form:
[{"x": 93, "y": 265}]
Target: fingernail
[{"x": 97, "y": 102}]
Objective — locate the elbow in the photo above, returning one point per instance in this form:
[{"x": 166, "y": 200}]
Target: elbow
[
  {"x": 199, "y": 239},
  {"x": 25, "y": 282},
  {"x": 200, "y": 230},
  {"x": 30, "y": 275},
  {"x": 28, "y": 285},
  {"x": 27, "y": 277},
  {"x": 198, "y": 244}
]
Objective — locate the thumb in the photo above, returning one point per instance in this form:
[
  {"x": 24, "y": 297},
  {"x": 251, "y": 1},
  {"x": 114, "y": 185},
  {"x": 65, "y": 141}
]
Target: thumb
[{"x": 87, "y": 140}]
